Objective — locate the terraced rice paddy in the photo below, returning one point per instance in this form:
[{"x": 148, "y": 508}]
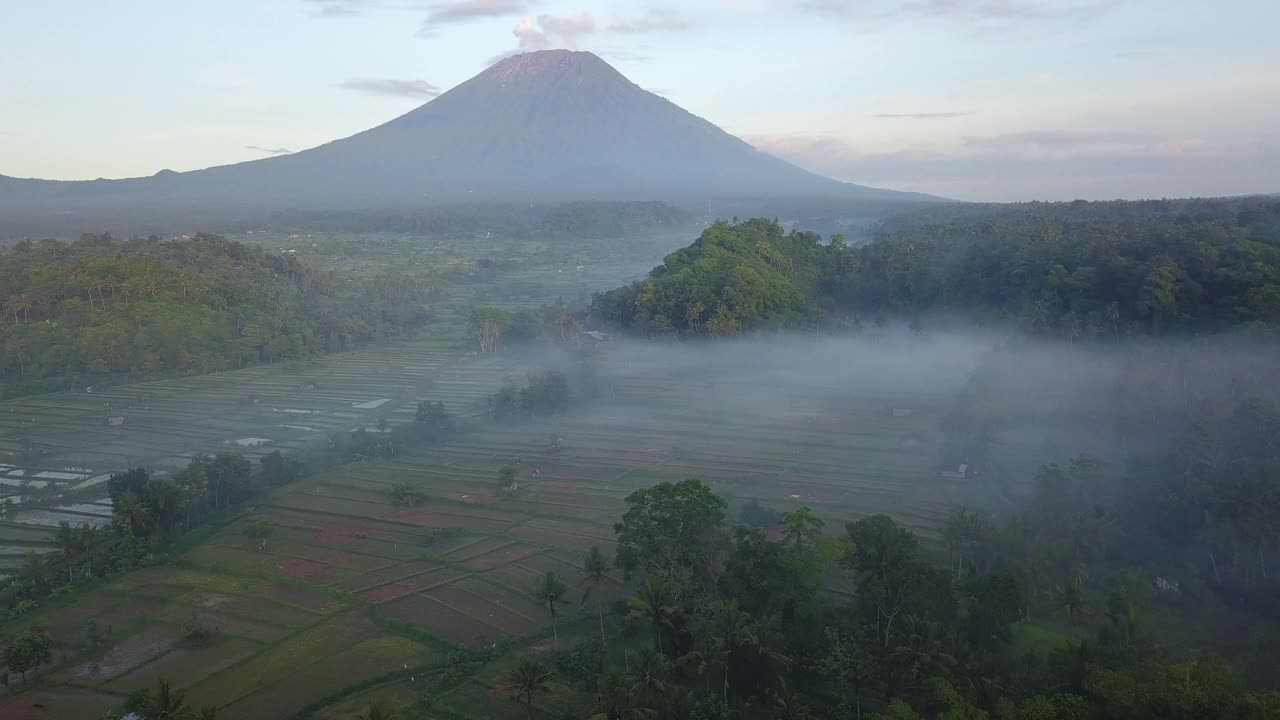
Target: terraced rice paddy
[
  {"x": 352, "y": 597},
  {"x": 63, "y": 442}
]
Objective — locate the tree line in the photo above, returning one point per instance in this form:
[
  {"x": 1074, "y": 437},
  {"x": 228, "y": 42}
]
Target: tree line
[
  {"x": 102, "y": 307},
  {"x": 1081, "y": 271},
  {"x": 735, "y": 622}
]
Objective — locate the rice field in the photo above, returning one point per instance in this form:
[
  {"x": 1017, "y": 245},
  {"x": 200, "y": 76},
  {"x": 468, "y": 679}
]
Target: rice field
[{"x": 353, "y": 595}]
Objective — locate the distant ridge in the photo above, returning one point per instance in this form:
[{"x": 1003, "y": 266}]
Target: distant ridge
[{"x": 550, "y": 125}]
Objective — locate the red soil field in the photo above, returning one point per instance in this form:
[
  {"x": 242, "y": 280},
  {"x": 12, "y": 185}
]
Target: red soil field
[{"x": 298, "y": 568}]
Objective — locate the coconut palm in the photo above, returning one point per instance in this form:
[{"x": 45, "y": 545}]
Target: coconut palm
[
  {"x": 529, "y": 678},
  {"x": 615, "y": 702},
  {"x": 656, "y": 602},
  {"x": 1071, "y": 599},
  {"x": 164, "y": 703},
  {"x": 730, "y": 630},
  {"x": 88, "y": 535},
  {"x": 550, "y": 590},
  {"x": 595, "y": 566},
  {"x": 648, "y": 676},
  {"x": 132, "y": 513},
  {"x": 924, "y": 648},
  {"x": 788, "y": 705},
  {"x": 69, "y": 544}
]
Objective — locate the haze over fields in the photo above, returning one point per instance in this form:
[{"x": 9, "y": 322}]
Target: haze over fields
[{"x": 549, "y": 399}]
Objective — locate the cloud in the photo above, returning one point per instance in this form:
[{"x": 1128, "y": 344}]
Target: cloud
[
  {"x": 1048, "y": 165},
  {"x": 553, "y": 31},
  {"x": 998, "y": 12},
  {"x": 569, "y": 31},
  {"x": 1059, "y": 140},
  {"x": 920, "y": 116},
  {"x": 529, "y": 37},
  {"x": 338, "y": 8},
  {"x": 460, "y": 11},
  {"x": 413, "y": 89},
  {"x": 653, "y": 20},
  {"x": 269, "y": 151}
]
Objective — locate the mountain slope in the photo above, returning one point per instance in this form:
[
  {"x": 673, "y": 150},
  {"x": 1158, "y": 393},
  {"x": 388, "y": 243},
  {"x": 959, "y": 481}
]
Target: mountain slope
[{"x": 551, "y": 125}]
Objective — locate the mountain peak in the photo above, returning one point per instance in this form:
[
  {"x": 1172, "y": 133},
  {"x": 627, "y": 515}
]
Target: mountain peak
[
  {"x": 550, "y": 124},
  {"x": 551, "y": 64}
]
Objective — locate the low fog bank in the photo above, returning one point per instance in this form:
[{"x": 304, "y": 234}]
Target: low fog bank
[{"x": 998, "y": 403}]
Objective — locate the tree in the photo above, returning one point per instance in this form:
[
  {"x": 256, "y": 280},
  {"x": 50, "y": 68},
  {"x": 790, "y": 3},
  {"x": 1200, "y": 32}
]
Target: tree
[
  {"x": 165, "y": 703},
  {"x": 657, "y": 602},
  {"x": 648, "y": 675},
  {"x": 669, "y": 528},
  {"x": 847, "y": 664},
  {"x": 1070, "y": 598},
  {"x": 133, "y": 515},
  {"x": 27, "y": 651},
  {"x": 730, "y": 631},
  {"x": 487, "y": 324},
  {"x": 529, "y": 678},
  {"x": 70, "y": 544},
  {"x": 594, "y": 568},
  {"x": 550, "y": 590},
  {"x": 615, "y": 701},
  {"x": 259, "y": 531},
  {"x": 278, "y": 470},
  {"x": 34, "y": 574},
  {"x": 507, "y": 476},
  {"x": 923, "y": 649},
  {"x": 802, "y": 527},
  {"x": 885, "y": 565}
]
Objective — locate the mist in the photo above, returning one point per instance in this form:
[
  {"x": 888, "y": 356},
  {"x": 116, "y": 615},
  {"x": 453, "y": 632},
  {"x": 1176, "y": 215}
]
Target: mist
[{"x": 778, "y": 417}]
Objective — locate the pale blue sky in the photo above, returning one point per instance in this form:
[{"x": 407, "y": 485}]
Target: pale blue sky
[{"x": 982, "y": 99}]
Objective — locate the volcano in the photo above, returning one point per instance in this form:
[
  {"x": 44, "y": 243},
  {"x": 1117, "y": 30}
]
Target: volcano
[{"x": 551, "y": 125}]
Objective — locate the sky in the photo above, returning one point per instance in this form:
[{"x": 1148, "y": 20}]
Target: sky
[{"x": 970, "y": 99}]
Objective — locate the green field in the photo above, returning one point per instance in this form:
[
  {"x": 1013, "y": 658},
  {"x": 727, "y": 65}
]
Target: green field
[{"x": 348, "y": 600}]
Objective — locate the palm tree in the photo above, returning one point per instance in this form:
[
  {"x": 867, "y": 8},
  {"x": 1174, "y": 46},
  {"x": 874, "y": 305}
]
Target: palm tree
[
  {"x": 88, "y": 534},
  {"x": 163, "y": 704},
  {"x": 551, "y": 590},
  {"x": 69, "y": 543},
  {"x": 378, "y": 710},
  {"x": 595, "y": 567},
  {"x": 34, "y": 573},
  {"x": 131, "y": 512},
  {"x": 647, "y": 678},
  {"x": 788, "y": 705},
  {"x": 529, "y": 677},
  {"x": 614, "y": 700},
  {"x": 953, "y": 536},
  {"x": 1071, "y": 599},
  {"x": 730, "y": 630},
  {"x": 655, "y": 601},
  {"x": 193, "y": 489},
  {"x": 924, "y": 648}
]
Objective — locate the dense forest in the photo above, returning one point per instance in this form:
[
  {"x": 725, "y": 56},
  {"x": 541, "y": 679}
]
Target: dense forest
[
  {"x": 138, "y": 307},
  {"x": 1084, "y": 270}
]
